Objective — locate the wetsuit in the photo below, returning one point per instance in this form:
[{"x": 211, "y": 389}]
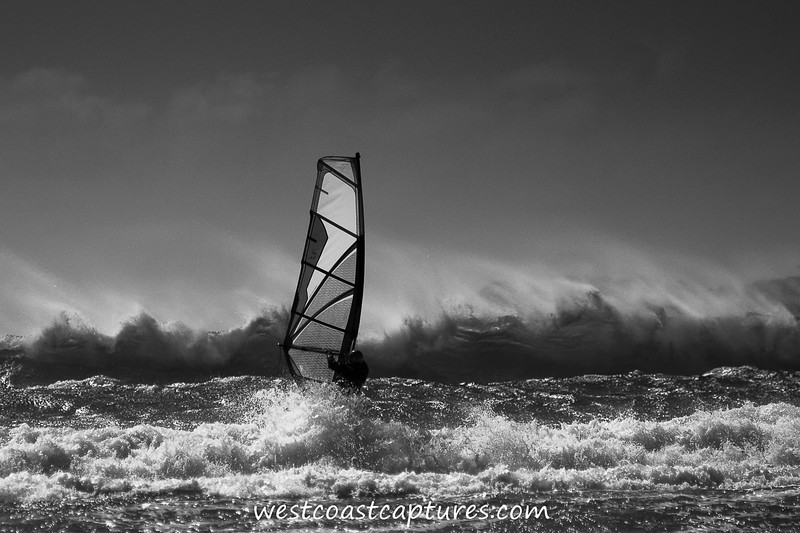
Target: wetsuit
[{"x": 349, "y": 375}]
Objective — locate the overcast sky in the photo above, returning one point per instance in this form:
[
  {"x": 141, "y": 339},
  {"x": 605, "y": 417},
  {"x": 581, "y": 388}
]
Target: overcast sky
[{"x": 160, "y": 156}]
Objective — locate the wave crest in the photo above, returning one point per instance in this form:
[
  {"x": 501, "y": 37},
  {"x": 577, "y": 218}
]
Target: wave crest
[
  {"x": 589, "y": 333},
  {"x": 147, "y": 349}
]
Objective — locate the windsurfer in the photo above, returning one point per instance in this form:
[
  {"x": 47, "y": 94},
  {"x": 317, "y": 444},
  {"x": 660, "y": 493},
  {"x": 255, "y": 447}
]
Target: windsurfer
[{"x": 351, "y": 373}]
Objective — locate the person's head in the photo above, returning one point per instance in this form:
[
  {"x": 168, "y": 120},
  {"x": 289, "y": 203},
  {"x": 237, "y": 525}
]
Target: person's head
[{"x": 356, "y": 355}]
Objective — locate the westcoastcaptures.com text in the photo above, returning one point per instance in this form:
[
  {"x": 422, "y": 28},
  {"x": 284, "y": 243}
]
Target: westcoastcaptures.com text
[{"x": 408, "y": 512}]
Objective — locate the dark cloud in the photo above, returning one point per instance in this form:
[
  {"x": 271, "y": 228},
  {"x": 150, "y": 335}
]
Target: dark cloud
[{"x": 517, "y": 132}]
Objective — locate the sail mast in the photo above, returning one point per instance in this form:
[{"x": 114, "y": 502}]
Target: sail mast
[{"x": 358, "y": 295}]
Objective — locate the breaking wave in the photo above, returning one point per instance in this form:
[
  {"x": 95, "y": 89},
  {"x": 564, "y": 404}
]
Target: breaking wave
[
  {"x": 146, "y": 349},
  {"x": 590, "y": 333},
  {"x": 294, "y": 443},
  {"x": 590, "y": 336}
]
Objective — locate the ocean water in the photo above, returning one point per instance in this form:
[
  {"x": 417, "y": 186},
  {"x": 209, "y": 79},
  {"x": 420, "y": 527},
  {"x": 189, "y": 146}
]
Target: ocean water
[{"x": 163, "y": 428}]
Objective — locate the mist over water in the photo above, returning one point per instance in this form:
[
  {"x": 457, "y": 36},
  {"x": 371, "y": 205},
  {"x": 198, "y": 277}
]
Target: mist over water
[{"x": 449, "y": 317}]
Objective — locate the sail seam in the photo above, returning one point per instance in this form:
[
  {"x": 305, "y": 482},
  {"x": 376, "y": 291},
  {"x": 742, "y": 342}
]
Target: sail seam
[
  {"x": 342, "y": 297},
  {"x": 332, "y": 223},
  {"x": 328, "y": 274},
  {"x": 339, "y": 174},
  {"x": 312, "y": 319}
]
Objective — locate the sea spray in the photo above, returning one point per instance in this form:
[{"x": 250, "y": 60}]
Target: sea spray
[
  {"x": 313, "y": 442},
  {"x": 69, "y": 346},
  {"x": 509, "y": 330}
]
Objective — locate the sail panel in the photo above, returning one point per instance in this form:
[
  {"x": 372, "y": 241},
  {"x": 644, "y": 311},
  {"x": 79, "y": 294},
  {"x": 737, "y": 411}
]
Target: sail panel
[
  {"x": 320, "y": 336},
  {"x": 347, "y": 268},
  {"x": 338, "y": 202},
  {"x": 337, "y": 245},
  {"x": 330, "y": 290},
  {"x": 327, "y": 304},
  {"x": 309, "y": 364},
  {"x": 336, "y": 313}
]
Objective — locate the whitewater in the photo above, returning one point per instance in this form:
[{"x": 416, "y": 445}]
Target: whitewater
[{"x": 596, "y": 415}]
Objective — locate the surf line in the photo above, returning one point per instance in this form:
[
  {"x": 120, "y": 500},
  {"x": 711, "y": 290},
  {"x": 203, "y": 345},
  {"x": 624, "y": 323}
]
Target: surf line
[{"x": 408, "y": 512}]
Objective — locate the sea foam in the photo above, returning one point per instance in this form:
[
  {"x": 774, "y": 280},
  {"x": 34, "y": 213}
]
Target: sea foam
[{"x": 293, "y": 442}]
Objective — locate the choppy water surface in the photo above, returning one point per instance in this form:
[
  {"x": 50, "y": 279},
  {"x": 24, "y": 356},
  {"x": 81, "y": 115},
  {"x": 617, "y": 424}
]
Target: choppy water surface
[{"x": 611, "y": 453}]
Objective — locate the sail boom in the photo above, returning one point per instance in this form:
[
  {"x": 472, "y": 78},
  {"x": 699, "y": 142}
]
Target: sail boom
[{"x": 313, "y": 349}]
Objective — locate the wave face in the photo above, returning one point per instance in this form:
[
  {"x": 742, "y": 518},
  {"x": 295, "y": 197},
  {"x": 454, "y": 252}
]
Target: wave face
[
  {"x": 586, "y": 333},
  {"x": 144, "y": 350},
  {"x": 227, "y": 443}
]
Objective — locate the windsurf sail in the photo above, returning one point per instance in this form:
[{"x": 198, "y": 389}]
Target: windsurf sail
[{"x": 327, "y": 304}]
